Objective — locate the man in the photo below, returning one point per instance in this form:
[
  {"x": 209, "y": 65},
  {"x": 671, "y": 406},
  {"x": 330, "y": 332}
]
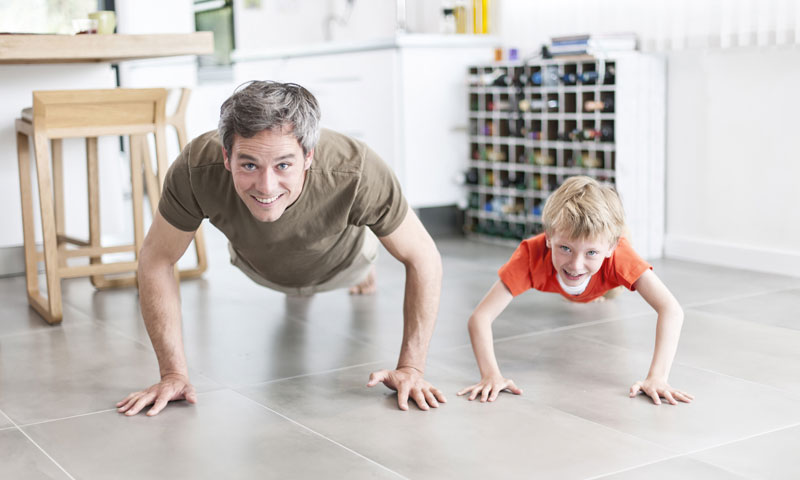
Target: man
[{"x": 301, "y": 209}]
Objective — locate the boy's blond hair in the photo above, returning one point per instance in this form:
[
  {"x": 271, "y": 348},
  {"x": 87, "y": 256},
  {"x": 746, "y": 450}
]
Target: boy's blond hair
[{"x": 583, "y": 208}]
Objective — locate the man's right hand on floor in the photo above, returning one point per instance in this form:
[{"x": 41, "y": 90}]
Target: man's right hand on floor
[{"x": 172, "y": 386}]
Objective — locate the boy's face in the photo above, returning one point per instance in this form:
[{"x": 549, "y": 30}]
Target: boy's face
[
  {"x": 577, "y": 259},
  {"x": 268, "y": 170}
]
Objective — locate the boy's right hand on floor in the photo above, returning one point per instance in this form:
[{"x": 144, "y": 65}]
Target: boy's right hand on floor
[{"x": 490, "y": 387}]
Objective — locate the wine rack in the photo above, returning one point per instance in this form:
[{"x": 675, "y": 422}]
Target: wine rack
[{"x": 533, "y": 124}]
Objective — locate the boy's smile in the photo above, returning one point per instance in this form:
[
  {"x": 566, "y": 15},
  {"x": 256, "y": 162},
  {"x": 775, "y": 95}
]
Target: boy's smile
[{"x": 576, "y": 260}]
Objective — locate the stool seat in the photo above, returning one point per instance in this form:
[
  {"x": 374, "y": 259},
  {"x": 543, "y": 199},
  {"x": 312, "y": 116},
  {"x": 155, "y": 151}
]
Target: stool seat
[{"x": 89, "y": 114}]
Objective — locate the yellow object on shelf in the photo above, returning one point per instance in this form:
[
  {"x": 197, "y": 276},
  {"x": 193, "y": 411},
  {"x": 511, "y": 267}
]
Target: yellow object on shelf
[{"x": 480, "y": 16}]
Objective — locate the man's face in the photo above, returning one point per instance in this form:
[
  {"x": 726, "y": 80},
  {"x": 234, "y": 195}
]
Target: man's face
[
  {"x": 268, "y": 171},
  {"x": 577, "y": 259}
]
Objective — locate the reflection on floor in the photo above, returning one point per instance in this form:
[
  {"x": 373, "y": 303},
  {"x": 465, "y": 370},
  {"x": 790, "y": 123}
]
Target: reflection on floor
[{"x": 282, "y": 392}]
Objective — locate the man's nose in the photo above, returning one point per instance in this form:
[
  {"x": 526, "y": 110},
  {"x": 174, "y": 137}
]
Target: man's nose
[{"x": 266, "y": 182}]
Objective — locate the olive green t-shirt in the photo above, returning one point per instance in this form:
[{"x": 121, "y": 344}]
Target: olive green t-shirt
[{"x": 347, "y": 188}]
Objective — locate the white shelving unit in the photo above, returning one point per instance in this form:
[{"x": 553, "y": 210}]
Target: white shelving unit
[{"x": 531, "y": 128}]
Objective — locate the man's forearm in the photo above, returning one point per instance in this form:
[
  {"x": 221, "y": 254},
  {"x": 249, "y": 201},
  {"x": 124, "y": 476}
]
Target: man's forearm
[
  {"x": 420, "y": 308},
  {"x": 159, "y": 299}
]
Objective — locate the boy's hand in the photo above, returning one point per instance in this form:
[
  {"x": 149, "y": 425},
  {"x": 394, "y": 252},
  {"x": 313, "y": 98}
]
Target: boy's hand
[
  {"x": 656, "y": 388},
  {"x": 490, "y": 387}
]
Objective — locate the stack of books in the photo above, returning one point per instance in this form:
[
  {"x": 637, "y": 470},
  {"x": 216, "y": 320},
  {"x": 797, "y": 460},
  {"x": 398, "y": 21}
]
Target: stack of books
[{"x": 591, "y": 44}]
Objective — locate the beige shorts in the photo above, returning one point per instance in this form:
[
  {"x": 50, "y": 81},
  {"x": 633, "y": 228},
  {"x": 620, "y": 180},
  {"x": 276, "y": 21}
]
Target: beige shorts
[{"x": 354, "y": 274}]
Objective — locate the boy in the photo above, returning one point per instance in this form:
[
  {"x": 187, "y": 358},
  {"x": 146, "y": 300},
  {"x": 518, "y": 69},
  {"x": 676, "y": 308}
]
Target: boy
[{"x": 582, "y": 255}]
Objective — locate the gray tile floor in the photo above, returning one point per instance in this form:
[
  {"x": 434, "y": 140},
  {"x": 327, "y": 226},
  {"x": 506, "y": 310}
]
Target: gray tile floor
[{"x": 282, "y": 392}]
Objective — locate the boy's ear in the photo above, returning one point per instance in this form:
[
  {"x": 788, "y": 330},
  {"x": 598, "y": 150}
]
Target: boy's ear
[
  {"x": 613, "y": 247},
  {"x": 546, "y": 240}
]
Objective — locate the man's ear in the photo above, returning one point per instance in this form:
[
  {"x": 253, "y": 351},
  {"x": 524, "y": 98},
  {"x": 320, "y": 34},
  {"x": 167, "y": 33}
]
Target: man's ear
[
  {"x": 227, "y": 160},
  {"x": 309, "y": 158}
]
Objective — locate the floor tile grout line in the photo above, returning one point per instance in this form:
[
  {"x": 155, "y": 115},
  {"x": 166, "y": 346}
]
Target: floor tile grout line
[
  {"x": 732, "y": 316},
  {"x": 322, "y": 436},
  {"x": 701, "y": 303},
  {"x": 699, "y": 450},
  {"x": 38, "y": 446},
  {"x": 749, "y": 437},
  {"x": 40, "y": 422},
  {"x": 686, "y": 365},
  {"x": 311, "y": 374}
]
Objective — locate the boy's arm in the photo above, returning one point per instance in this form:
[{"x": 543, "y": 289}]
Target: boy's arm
[
  {"x": 668, "y": 332},
  {"x": 480, "y": 332}
]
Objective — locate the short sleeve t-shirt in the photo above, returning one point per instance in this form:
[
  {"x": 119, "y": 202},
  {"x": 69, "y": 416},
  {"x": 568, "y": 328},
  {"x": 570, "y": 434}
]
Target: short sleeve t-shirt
[
  {"x": 531, "y": 266},
  {"x": 347, "y": 188}
]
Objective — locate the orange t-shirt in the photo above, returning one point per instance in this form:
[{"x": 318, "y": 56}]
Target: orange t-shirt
[{"x": 531, "y": 266}]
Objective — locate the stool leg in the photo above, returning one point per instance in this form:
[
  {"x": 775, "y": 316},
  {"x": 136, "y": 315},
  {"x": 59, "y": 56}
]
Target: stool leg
[
  {"x": 93, "y": 184},
  {"x": 52, "y": 312},
  {"x": 58, "y": 196},
  {"x": 26, "y": 194},
  {"x": 137, "y": 194}
]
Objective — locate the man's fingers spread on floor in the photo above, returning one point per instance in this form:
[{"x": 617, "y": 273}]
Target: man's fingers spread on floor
[
  {"x": 430, "y": 399},
  {"x": 439, "y": 395},
  {"x": 418, "y": 397},
  {"x": 159, "y": 405},
  {"x": 669, "y": 398}
]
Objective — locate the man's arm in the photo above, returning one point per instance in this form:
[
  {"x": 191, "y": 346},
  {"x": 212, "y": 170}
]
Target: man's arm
[
  {"x": 411, "y": 244},
  {"x": 668, "y": 332},
  {"x": 159, "y": 299}
]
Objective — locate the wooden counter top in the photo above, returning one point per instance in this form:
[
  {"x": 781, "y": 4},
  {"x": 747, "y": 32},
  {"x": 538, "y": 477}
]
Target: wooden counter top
[{"x": 22, "y": 49}]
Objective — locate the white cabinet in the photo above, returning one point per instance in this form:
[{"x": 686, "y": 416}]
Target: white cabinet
[{"x": 404, "y": 97}]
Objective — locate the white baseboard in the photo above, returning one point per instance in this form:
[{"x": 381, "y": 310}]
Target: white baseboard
[
  {"x": 12, "y": 261},
  {"x": 782, "y": 262}
]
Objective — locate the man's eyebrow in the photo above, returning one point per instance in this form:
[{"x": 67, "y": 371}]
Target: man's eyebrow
[{"x": 250, "y": 158}]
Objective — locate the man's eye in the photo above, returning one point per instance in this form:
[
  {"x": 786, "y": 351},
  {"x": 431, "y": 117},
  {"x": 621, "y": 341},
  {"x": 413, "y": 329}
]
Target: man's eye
[
  {"x": 249, "y": 166},
  {"x": 283, "y": 166}
]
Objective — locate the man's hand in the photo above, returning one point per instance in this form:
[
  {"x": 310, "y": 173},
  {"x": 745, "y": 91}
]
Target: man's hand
[
  {"x": 408, "y": 382},
  {"x": 656, "y": 388},
  {"x": 490, "y": 387},
  {"x": 172, "y": 386}
]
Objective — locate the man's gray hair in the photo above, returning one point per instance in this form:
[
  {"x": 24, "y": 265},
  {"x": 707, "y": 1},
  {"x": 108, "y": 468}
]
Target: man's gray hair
[{"x": 265, "y": 105}]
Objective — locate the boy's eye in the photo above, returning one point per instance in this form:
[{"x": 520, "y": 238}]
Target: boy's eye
[
  {"x": 591, "y": 253},
  {"x": 564, "y": 248}
]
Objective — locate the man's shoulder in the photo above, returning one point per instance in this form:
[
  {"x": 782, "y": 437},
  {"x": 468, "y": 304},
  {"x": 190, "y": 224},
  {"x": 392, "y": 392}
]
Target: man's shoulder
[
  {"x": 205, "y": 150},
  {"x": 339, "y": 153}
]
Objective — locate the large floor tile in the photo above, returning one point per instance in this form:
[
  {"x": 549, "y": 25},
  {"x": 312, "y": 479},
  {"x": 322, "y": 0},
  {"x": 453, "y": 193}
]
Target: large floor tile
[
  {"x": 72, "y": 370},
  {"x": 223, "y": 436},
  {"x": 759, "y": 353},
  {"x": 680, "y": 467},
  {"x": 592, "y": 380},
  {"x": 772, "y": 455},
  {"x": 239, "y": 343},
  {"x": 22, "y": 460},
  {"x": 459, "y": 439},
  {"x": 778, "y": 309},
  {"x": 16, "y": 316},
  {"x": 695, "y": 283}
]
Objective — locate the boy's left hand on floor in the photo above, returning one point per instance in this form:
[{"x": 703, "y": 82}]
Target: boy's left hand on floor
[{"x": 656, "y": 388}]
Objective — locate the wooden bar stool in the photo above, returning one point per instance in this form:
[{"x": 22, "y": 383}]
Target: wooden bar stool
[
  {"x": 89, "y": 114},
  {"x": 154, "y": 179}
]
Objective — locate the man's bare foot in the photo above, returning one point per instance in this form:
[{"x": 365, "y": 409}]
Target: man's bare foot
[{"x": 368, "y": 286}]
